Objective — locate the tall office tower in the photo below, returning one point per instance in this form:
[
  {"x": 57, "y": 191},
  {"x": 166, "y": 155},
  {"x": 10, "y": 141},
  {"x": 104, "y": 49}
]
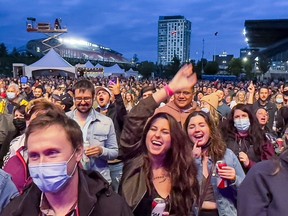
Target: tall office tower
[{"x": 174, "y": 34}]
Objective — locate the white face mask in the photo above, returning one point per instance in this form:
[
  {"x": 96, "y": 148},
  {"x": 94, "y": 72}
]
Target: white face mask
[
  {"x": 51, "y": 177},
  {"x": 242, "y": 125},
  {"x": 279, "y": 100},
  {"x": 205, "y": 109},
  {"x": 11, "y": 95}
]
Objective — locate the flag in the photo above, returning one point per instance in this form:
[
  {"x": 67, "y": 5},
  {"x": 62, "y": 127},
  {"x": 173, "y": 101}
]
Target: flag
[{"x": 174, "y": 33}]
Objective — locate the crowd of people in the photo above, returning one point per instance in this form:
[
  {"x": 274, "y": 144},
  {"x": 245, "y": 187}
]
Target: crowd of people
[{"x": 95, "y": 146}]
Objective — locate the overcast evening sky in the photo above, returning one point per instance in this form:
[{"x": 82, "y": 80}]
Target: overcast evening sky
[{"x": 130, "y": 27}]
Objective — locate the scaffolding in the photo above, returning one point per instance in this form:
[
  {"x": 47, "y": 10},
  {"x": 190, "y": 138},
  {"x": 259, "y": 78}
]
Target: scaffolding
[{"x": 52, "y": 32}]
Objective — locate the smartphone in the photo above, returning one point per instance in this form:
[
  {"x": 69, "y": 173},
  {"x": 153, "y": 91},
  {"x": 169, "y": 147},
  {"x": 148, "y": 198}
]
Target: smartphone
[
  {"x": 113, "y": 80},
  {"x": 24, "y": 80}
]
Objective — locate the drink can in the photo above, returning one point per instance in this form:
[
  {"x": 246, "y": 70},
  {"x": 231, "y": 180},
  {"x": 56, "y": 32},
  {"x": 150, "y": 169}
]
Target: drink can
[
  {"x": 280, "y": 142},
  {"x": 85, "y": 159},
  {"x": 158, "y": 207},
  {"x": 220, "y": 164},
  {"x": 221, "y": 182}
]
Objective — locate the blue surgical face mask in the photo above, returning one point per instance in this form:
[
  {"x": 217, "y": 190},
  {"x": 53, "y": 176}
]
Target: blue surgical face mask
[
  {"x": 51, "y": 177},
  {"x": 205, "y": 109},
  {"x": 279, "y": 100},
  {"x": 11, "y": 95},
  {"x": 242, "y": 125}
]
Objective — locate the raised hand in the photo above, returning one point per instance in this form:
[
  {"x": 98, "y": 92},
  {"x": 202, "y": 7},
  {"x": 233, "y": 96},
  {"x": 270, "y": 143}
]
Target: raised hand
[
  {"x": 243, "y": 157},
  {"x": 185, "y": 78},
  {"x": 251, "y": 88},
  {"x": 115, "y": 88}
]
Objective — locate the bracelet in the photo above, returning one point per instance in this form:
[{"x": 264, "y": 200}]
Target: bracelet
[{"x": 168, "y": 90}]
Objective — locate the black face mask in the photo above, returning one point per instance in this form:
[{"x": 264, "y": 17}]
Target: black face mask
[{"x": 19, "y": 123}]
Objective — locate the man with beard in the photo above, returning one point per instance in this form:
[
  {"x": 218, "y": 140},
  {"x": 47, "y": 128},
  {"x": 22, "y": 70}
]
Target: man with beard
[
  {"x": 38, "y": 92},
  {"x": 99, "y": 135},
  {"x": 263, "y": 102}
]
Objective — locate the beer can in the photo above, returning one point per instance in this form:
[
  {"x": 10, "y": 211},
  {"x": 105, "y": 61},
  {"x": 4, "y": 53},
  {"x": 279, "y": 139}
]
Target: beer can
[
  {"x": 221, "y": 182},
  {"x": 158, "y": 207},
  {"x": 220, "y": 164}
]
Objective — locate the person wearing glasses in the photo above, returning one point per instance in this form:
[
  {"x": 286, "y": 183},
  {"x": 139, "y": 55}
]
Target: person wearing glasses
[
  {"x": 181, "y": 106},
  {"x": 98, "y": 130}
]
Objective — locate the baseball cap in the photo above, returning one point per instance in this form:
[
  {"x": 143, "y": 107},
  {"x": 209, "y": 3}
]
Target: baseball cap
[
  {"x": 64, "y": 99},
  {"x": 98, "y": 88}
]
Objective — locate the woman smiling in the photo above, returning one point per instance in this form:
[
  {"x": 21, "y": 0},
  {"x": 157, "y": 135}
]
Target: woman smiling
[{"x": 158, "y": 162}]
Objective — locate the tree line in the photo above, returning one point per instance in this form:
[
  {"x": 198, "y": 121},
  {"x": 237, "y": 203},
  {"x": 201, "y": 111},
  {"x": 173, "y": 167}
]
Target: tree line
[{"x": 146, "y": 68}]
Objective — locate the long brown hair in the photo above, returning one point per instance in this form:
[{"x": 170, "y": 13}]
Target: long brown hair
[
  {"x": 218, "y": 147},
  {"x": 179, "y": 163}
]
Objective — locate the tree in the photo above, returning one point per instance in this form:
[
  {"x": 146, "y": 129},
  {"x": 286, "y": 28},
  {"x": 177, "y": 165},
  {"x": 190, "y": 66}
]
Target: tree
[
  {"x": 135, "y": 58},
  {"x": 211, "y": 68},
  {"x": 172, "y": 68},
  {"x": 264, "y": 64},
  {"x": 3, "y": 50},
  {"x": 198, "y": 67},
  {"x": 248, "y": 67},
  {"x": 146, "y": 68},
  {"x": 15, "y": 53},
  {"x": 235, "y": 66}
]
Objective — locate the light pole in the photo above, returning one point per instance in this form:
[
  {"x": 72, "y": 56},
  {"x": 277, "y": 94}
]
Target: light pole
[
  {"x": 202, "y": 69},
  {"x": 215, "y": 34}
]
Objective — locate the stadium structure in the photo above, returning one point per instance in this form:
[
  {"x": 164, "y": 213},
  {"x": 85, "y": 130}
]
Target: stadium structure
[
  {"x": 77, "y": 50},
  {"x": 268, "y": 39}
]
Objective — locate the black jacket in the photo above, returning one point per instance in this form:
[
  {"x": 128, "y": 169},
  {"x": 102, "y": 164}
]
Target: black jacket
[
  {"x": 133, "y": 186},
  {"x": 95, "y": 198},
  {"x": 7, "y": 133},
  {"x": 264, "y": 190}
]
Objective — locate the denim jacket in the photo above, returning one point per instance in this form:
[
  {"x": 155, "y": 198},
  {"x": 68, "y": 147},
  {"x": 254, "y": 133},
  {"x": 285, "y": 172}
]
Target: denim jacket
[
  {"x": 7, "y": 189},
  {"x": 226, "y": 199},
  {"x": 100, "y": 132}
]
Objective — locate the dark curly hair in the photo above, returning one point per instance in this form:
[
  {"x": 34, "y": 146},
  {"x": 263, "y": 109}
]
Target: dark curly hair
[
  {"x": 179, "y": 162},
  {"x": 217, "y": 148},
  {"x": 255, "y": 134}
]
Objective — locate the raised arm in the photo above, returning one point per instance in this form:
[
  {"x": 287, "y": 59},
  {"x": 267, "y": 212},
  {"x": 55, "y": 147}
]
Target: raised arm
[{"x": 137, "y": 117}]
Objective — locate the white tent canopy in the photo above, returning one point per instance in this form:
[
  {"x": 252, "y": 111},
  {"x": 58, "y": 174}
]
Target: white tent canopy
[
  {"x": 114, "y": 70},
  {"x": 131, "y": 72},
  {"x": 88, "y": 64},
  {"x": 50, "y": 64}
]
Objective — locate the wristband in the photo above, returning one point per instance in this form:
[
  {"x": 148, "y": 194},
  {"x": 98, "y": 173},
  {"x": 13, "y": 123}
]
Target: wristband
[{"x": 168, "y": 90}]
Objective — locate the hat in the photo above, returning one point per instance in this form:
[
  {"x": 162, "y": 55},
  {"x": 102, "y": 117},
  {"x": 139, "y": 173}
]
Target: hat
[
  {"x": 146, "y": 89},
  {"x": 211, "y": 99},
  {"x": 98, "y": 88},
  {"x": 65, "y": 99}
]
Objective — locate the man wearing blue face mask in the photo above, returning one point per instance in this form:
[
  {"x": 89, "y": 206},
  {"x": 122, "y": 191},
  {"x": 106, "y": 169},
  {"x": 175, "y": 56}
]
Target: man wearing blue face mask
[{"x": 60, "y": 187}]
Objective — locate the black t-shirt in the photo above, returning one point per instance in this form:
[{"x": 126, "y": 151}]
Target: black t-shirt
[{"x": 145, "y": 206}]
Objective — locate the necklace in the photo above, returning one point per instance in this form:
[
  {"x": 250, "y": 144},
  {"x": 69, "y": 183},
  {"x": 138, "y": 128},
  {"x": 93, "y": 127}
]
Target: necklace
[{"x": 161, "y": 178}]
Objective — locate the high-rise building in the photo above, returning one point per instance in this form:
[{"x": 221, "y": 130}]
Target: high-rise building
[{"x": 174, "y": 35}]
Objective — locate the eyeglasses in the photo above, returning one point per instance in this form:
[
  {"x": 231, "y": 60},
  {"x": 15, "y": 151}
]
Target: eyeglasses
[
  {"x": 85, "y": 99},
  {"x": 185, "y": 93}
]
